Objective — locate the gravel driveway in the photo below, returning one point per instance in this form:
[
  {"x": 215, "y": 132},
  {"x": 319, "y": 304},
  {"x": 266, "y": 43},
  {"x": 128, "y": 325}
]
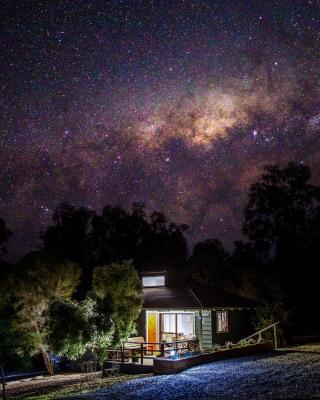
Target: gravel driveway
[{"x": 292, "y": 373}]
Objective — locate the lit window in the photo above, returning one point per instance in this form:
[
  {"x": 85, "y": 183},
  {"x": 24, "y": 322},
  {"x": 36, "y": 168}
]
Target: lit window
[
  {"x": 152, "y": 281},
  {"x": 222, "y": 321},
  {"x": 174, "y": 326}
]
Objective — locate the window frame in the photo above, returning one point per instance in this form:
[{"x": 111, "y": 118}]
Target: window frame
[
  {"x": 175, "y": 334},
  {"x": 227, "y": 320},
  {"x": 154, "y": 276}
]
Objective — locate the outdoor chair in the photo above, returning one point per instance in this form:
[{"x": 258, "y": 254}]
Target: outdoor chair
[{"x": 114, "y": 370}]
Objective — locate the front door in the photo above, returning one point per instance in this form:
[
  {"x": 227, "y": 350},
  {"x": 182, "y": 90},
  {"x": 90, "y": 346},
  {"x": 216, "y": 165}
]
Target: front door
[{"x": 152, "y": 328}]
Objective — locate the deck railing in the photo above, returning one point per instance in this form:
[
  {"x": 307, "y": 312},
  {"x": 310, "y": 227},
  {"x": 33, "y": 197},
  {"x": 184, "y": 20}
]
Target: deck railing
[
  {"x": 143, "y": 350},
  {"x": 259, "y": 334}
]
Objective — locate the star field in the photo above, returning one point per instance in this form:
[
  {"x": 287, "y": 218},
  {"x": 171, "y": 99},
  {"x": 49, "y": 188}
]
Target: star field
[{"x": 178, "y": 104}]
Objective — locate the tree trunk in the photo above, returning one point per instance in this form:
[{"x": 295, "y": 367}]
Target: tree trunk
[{"x": 48, "y": 364}]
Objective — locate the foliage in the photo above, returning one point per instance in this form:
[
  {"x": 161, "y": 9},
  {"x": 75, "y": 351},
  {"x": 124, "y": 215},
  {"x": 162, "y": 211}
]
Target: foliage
[
  {"x": 270, "y": 313},
  {"x": 251, "y": 277},
  {"x": 282, "y": 221},
  {"x": 41, "y": 279},
  {"x": 69, "y": 327},
  {"x": 68, "y": 238},
  {"x": 282, "y": 211},
  {"x": 117, "y": 290},
  {"x": 4, "y": 237},
  {"x": 13, "y": 351},
  {"x": 208, "y": 262},
  {"x": 75, "y": 327},
  {"x": 107, "y": 316},
  {"x": 90, "y": 240}
]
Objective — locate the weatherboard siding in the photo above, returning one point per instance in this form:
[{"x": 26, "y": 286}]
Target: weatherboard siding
[{"x": 206, "y": 328}]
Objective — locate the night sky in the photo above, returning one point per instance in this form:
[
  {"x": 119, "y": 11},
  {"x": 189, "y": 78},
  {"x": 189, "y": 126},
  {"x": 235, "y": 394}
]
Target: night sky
[{"x": 178, "y": 104}]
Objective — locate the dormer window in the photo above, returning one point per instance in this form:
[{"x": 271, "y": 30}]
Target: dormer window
[{"x": 153, "y": 281}]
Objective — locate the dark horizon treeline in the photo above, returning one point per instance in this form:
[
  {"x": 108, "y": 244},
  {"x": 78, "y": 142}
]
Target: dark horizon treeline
[
  {"x": 90, "y": 240},
  {"x": 276, "y": 263}
]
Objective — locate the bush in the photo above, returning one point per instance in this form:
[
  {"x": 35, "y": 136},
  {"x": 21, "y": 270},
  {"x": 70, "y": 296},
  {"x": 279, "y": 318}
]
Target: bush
[
  {"x": 216, "y": 347},
  {"x": 269, "y": 314}
]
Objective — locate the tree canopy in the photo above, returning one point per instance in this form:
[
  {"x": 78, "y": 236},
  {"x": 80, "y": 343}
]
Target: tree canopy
[
  {"x": 283, "y": 213},
  {"x": 115, "y": 235},
  {"x": 106, "y": 317},
  {"x": 41, "y": 280},
  {"x": 118, "y": 292},
  {"x": 282, "y": 224},
  {"x": 209, "y": 262},
  {"x": 5, "y": 235}
]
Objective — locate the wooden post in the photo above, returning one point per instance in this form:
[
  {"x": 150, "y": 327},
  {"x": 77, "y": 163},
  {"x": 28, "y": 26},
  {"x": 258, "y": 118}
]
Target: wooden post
[
  {"x": 3, "y": 383},
  {"x": 162, "y": 349},
  {"x": 122, "y": 353},
  {"x": 200, "y": 330},
  {"x": 141, "y": 349},
  {"x": 275, "y": 336}
]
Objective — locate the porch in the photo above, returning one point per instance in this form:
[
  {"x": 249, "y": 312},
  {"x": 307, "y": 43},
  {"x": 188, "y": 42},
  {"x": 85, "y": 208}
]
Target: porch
[
  {"x": 138, "y": 356},
  {"x": 137, "y": 351}
]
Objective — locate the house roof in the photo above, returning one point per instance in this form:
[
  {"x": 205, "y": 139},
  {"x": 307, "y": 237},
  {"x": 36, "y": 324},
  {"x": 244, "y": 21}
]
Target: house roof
[{"x": 192, "y": 295}]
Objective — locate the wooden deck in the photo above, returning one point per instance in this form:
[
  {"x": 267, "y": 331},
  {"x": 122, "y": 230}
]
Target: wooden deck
[{"x": 145, "y": 352}]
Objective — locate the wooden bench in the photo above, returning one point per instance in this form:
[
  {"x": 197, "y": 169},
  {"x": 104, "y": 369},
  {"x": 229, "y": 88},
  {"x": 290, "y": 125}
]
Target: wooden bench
[
  {"x": 134, "y": 342},
  {"x": 131, "y": 348}
]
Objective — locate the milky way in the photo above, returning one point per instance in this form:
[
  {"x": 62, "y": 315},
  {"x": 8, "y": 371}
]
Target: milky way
[{"x": 178, "y": 104}]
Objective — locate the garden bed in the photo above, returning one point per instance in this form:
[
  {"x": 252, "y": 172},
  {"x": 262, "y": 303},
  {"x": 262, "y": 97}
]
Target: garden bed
[{"x": 162, "y": 366}]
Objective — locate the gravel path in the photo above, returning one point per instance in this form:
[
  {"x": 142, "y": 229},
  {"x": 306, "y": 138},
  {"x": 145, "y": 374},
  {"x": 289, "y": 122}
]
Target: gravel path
[{"x": 292, "y": 373}]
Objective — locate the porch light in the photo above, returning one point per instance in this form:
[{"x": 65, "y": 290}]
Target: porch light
[{"x": 173, "y": 354}]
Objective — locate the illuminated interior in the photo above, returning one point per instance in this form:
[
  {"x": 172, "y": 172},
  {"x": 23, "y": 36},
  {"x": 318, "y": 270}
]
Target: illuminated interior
[
  {"x": 153, "y": 281},
  {"x": 170, "y": 326}
]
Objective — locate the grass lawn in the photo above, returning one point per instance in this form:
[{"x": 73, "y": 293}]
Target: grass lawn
[{"x": 62, "y": 385}]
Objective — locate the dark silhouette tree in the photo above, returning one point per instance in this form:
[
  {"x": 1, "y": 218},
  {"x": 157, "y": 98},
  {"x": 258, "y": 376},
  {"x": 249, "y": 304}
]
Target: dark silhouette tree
[
  {"x": 282, "y": 215},
  {"x": 89, "y": 239},
  {"x": 5, "y": 235},
  {"x": 165, "y": 246},
  {"x": 209, "y": 262},
  {"x": 68, "y": 236},
  {"x": 118, "y": 235},
  {"x": 251, "y": 278},
  {"x": 282, "y": 223}
]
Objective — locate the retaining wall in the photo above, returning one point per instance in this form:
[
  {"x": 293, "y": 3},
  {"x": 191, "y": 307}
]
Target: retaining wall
[{"x": 162, "y": 366}]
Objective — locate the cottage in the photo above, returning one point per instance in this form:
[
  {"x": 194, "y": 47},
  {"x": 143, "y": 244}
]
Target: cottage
[{"x": 175, "y": 309}]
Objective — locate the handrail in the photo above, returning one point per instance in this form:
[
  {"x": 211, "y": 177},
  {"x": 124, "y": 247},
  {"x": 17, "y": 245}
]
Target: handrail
[
  {"x": 166, "y": 343},
  {"x": 263, "y": 330},
  {"x": 143, "y": 348}
]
